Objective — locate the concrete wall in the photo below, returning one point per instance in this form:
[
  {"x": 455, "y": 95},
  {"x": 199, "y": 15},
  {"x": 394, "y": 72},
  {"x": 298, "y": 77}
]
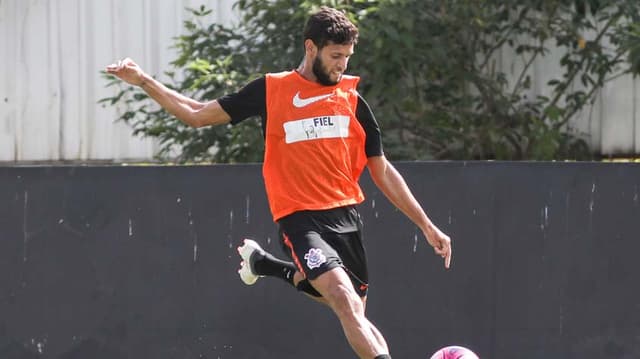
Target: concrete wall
[{"x": 140, "y": 262}]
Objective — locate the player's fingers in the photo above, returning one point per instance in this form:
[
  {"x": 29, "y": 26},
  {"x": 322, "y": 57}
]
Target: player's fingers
[
  {"x": 444, "y": 251},
  {"x": 115, "y": 68},
  {"x": 448, "y": 255},
  {"x": 128, "y": 62},
  {"x": 447, "y": 260}
]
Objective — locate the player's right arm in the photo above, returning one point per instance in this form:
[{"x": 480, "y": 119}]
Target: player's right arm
[{"x": 193, "y": 113}]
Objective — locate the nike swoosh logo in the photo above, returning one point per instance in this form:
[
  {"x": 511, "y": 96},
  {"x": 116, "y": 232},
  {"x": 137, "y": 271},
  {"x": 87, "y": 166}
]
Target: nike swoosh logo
[{"x": 302, "y": 102}]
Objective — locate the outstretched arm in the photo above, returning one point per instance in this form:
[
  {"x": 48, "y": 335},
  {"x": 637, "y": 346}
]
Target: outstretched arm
[
  {"x": 391, "y": 183},
  {"x": 189, "y": 111}
]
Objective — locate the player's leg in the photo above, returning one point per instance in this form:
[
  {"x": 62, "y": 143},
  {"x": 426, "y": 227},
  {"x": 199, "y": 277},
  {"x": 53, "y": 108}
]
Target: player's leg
[
  {"x": 337, "y": 289},
  {"x": 353, "y": 254},
  {"x": 347, "y": 299},
  {"x": 319, "y": 257}
]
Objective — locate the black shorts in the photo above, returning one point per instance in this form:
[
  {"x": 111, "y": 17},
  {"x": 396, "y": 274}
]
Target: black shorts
[{"x": 315, "y": 253}]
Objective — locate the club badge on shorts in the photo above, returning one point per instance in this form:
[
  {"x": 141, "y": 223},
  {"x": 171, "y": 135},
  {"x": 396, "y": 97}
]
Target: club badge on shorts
[{"x": 315, "y": 258}]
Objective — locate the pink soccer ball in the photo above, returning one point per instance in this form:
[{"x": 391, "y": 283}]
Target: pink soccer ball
[{"x": 454, "y": 352}]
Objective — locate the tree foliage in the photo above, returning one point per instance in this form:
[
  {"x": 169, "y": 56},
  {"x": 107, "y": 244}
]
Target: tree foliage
[
  {"x": 451, "y": 98},
  {"x": 431, "y": 71}
]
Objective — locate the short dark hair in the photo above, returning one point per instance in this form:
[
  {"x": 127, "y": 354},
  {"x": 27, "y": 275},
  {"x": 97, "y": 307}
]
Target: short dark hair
[{"x": 329, "y": 24}]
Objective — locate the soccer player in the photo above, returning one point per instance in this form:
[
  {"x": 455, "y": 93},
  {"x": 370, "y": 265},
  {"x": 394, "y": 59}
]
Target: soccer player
[{"x": 320, "y": 134}]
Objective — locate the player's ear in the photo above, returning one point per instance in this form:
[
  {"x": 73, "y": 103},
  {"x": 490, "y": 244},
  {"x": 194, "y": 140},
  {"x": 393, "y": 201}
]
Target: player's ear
[{"x": 310, "y": 48}]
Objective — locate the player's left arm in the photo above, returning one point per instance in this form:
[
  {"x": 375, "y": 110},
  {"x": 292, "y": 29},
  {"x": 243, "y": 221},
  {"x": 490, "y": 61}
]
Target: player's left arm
[{"x": 394, "y": 187}]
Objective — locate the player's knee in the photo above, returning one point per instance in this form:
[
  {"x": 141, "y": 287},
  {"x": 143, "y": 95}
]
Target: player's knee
[{"x": 344, "y": 301}]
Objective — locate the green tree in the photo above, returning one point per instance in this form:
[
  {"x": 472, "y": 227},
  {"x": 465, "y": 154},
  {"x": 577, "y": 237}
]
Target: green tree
[{"x": 429, "y": 69}]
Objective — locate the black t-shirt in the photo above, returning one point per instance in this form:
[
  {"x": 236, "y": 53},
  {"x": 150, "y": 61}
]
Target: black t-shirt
[{"x": 251, "y": 101}]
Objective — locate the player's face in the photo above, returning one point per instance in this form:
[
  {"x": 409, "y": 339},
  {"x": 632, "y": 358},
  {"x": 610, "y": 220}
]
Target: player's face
[{"x": 331, "y": 62}]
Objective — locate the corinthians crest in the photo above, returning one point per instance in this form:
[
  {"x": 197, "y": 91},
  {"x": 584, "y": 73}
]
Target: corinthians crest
[{"x": 315, "y": 258}]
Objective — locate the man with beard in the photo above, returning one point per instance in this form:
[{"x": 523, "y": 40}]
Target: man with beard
[{"x": 319, "y": 136}]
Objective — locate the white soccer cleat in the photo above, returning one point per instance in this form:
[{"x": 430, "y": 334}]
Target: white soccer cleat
[{"x": 247, "y": 251}]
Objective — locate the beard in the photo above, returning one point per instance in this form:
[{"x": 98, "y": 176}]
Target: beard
[{"x": 321, "y": 73}]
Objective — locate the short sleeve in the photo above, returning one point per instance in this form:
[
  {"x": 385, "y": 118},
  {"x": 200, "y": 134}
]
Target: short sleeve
[
  {"x": 250, "y": 101},
  {"x": 373, "y": 143}
]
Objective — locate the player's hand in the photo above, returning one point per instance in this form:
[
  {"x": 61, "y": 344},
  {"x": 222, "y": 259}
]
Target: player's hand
[
  {"x": 128, "y": 71},
  {"x": 441, "y": 244}
]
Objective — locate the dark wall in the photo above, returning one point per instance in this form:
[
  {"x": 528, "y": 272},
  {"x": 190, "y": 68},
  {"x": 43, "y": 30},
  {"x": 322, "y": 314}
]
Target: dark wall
[{"x": 140, "y": 262}]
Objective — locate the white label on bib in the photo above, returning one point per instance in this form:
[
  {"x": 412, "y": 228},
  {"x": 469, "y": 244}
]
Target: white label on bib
[{"x": 316, "y": 127}]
